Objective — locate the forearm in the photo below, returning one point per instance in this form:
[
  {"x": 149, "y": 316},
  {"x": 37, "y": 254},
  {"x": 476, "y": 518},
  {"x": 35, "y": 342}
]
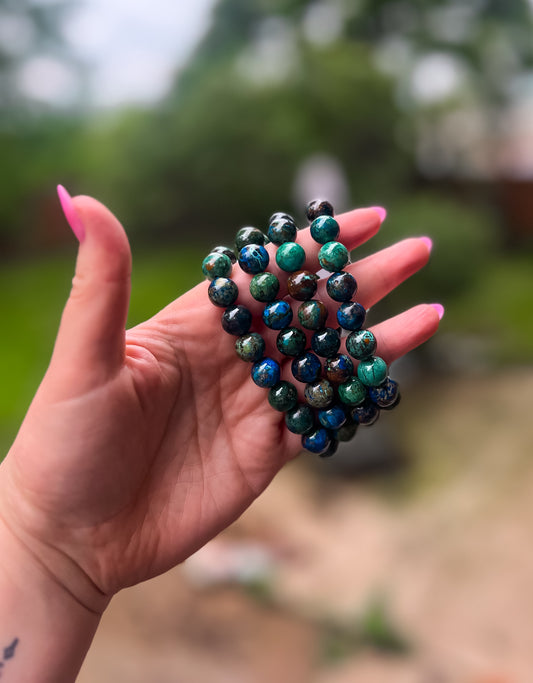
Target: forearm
[{"x": 45, "y": 631}]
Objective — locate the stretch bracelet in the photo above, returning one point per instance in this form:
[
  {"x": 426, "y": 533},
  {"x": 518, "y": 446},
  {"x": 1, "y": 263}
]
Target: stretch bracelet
[{"x": 342, "y": 390}]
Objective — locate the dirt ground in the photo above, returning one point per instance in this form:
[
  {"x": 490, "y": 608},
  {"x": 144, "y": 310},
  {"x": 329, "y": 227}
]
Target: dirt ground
[{"x": 444, "y": 546}]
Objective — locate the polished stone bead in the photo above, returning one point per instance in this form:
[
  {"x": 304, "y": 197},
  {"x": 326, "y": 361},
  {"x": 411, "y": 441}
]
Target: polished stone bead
[
  {"x": 324, "y": 229},
  {"x": 290, "y": 256},
  {"x": 300, "y": 420},
  {"x": 307, "y": 367},
  {"x": 266, "y": 373},
  {"x": 338, "y": 368},
  {"x": 223, "y": 292},
  {"x": 365, "y": 414},
  {"x": 236, "y": 320},
  {"x": 248, "y": 236},
  {"x": 291, "y": 341},
  {"x": 264, "y": 287},
  {"x": 352, "y": 392},
  {"x": 302, "y": 285},
  {"x": 250, "y": 347},
  {"x": 318, "y": 207},
  {"x": 397, "y": 401},
  {"x": 277, "y": 314},
  {"x": 281, "y": 231},
  {"x": 317, "y": 441},
  {"x": 326, "y": 342},
  {"x": 283, "y": 396},
  {"x": 253, "y": 258},
  {"x": 351, "y": 315},
  {"x": 372, "y": 372},
  {"x": 333, "y": 256},
  {"x": 347, "y": 431},
  {"x": 341, "y": 286},
  {"x": 331, "y": 449},
  {"x": 361, "y": 344},
  {"x": 216, "y": 265},
  {"x": 312, "y": 314},
  {"x": 281, "y": 216},
  {"x": 319, "y": 394},
  {"x": 385, "y": 394},
  {"x": 332, "y": 417},
  {"x": 225, "y": 250}
]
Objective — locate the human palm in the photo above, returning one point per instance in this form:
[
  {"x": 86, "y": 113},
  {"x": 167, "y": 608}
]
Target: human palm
[{"x": 140, "y": 447}]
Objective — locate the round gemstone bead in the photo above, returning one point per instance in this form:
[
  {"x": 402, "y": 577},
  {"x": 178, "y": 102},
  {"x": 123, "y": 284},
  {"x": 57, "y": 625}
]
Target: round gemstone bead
[
  {"x": 326, "y": 342},
  {"x": 236, "y": 320},
  {"x": 250, "y": 347},
  {"x": 281, "y": 216},
  {"x": 223, "y": 292},
  {"x": 372, "y": 372},
  {"x": 282, "y": 230},
  {"x": 291, "y": 341},
  {"x": 347, "y": 431},
  {"x": 333, "y": 256},
  {"x": 300, "y": 420},
  {"x": 393, "y": 405},
  {"x": 339, "y": 368},
  {"x": 312, "y": 314},
  {"x": 283, "y": 396},
  {"x": 341, "y": 286},
  {"x": 385, "y": 394},
  {"x": 324, "y": 229},
  {"x": 352, "y": 392},
  {"x": 361, "y": 345},
  {"x": 351, "y": 315},
  {"x": 266, "y": 373},
  {"x": 290, "y": 256},
  {"x": 264, "y": 287},
  {"x": 365, "y": 414},
  {"x": 332, "y": 418},
  {"x": 248, "y": 236},
  {"x": 317, "y": 441},
  {"x": 216, "y": 265},
  {"x": 277, "y": 314},
  {"x": 253, "y": 258},
  {"x": 318, "y": 207},
  {"x": 331, "y": 449},
  {"x": 319, "y": 394},
  {"x": 302, "y": 285},
  {"x": 307, "y": 367},
  {"x": 225, "y": 250}
]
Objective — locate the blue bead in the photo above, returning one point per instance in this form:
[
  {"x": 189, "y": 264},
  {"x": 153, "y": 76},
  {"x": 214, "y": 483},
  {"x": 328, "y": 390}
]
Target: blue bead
[
  {"x": 351, "y": 315},
  {"x": 385, "y": 394},
  {"x": 317, "y": 441},
  {"x": 266, "y": 373},
  {"x": 236, "y": 320},
  {"x": 326, "y": 342},
  {"x": 307, "y": 367},
  {"x": 324, "y": 229},
  {"x": 277, "y": 315},
  {"x": 332, "y": 418},
  {"x": 365, "y": 414},
  {"x": 223, "y": 292},
  {"x": 253, "y": 258},
  {"x": 341, "y": 286}
]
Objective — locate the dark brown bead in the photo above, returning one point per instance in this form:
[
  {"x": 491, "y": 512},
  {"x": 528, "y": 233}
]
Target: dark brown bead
[
  {"x": 302, "y": 285},
  {"x": 339, "y": 368},
  {"x": 318, "y": 207}
]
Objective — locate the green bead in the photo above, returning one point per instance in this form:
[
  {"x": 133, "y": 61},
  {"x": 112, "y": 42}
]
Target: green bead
[
  {"x": 250, "y": 347},
  {"x": 372, "y": 372},
  {"x": 216, "y": 265},
  {"x": 291, "y": 341},
  {"x": 361, "y": 344},
  {"x": 264, "y": 287},
  {"x": 290, "y": 256},
  {"x": 247, "y": 236},
  {"x": 352, "y": 392},
  {"x": 346, "y": 432},
  {"x": 283, "y": 396},
  {"x": 300, "y": 420},
  {"x": 333, "y": 256},
  {"x": 324, "y": 229}
]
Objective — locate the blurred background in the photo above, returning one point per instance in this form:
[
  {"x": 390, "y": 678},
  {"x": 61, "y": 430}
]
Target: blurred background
[{"x": 407, "y": 557}]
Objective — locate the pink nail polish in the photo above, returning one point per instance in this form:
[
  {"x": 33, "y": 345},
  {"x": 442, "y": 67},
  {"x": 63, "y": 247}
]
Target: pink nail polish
[
  {"x": 382, "y": 213},
  {"x": 439, "y": 308},
  {"x": 428, "y": 242},
  {"x": 70, "y": 212}
]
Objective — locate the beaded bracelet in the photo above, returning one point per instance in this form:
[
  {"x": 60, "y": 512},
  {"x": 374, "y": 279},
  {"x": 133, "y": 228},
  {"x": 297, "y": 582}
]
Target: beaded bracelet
[{"x": 339, "y": 395}]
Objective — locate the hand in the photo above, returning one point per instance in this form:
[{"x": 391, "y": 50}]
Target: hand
[{"x": 139, "y": 447}]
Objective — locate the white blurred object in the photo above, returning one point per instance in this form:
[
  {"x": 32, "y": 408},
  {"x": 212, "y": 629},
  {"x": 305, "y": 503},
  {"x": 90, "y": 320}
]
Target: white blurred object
[{"x": 321, "y": 176}]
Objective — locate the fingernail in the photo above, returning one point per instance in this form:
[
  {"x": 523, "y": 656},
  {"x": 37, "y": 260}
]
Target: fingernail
[
  {"x": 70, "y": 212},
  {"x": 439, "y": 308},
  {"x": 428, "y": 242},
  {"x": 382, "y": 213}
]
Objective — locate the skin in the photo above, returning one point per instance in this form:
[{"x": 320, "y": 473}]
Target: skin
[{"x": 140, "y": 446}]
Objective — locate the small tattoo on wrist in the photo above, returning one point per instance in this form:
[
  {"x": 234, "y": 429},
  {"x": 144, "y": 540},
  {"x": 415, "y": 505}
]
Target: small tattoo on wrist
[{"x": 8, "y": 653}]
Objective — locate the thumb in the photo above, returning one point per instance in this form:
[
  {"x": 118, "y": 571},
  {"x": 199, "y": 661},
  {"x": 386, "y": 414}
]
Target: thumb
[{"x": 90, "y": 343}]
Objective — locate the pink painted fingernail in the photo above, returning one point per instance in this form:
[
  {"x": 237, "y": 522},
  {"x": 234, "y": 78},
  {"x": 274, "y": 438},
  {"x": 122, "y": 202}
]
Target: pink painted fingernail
[
  {"x": 428, "y": 242},
  {"x": 439, "y": 308},
  {"x": 70, "y": 212},
  {"x": 382, "y": 213}
]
